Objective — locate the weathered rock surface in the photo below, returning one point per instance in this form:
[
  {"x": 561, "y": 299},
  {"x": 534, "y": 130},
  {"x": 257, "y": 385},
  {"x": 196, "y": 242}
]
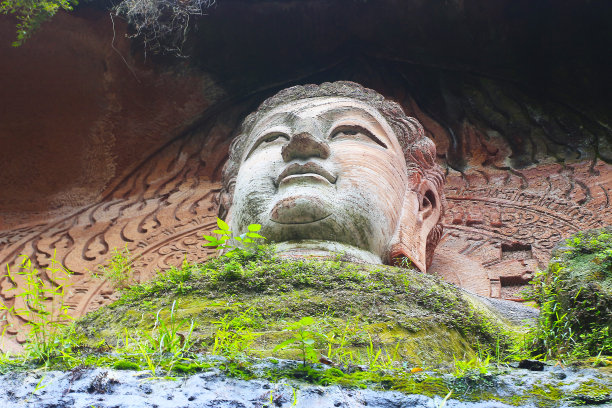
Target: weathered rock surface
[
  {"x": 102, "y": 148},
  {"x": 408, "y": 315},
  {"x": 106, "y": 388},
  {"x": 109, "y": 388}
]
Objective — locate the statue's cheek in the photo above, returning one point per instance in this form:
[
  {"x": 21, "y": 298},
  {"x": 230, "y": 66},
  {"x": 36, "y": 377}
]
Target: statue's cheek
[{"x": 379, "y": 173}]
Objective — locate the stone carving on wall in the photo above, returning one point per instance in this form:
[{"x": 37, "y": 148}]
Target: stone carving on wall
[
  {"x": 159, "y": 212},
  {"x": 336, "y": 168},
  {"x": 500, "y": 223},
  {"x": 510, "y": 221}
]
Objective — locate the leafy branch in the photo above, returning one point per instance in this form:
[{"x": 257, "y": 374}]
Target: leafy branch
[
  {"x": 231, "y": 244},
  {"x": 303, "y": 338},
  {"x": 30, "y": 14}
]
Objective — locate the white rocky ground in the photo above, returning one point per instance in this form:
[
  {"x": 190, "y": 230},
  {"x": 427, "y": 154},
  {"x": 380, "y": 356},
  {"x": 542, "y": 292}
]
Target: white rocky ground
[
  {"x": 106, "y": 388},
  {"x": 103, "y": 388}
]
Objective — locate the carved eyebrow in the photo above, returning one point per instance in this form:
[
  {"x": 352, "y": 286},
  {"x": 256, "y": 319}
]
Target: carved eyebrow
[
  {"x": 360, "y": 129},
  {"x": 266, "y": 132},
  {"x": 289, "y": 117},
  {"x": 345, "y": 112},
  {"x": 260, "y": 139}
]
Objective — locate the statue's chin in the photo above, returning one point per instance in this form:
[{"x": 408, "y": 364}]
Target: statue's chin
[{"x": 299, "y": 210}]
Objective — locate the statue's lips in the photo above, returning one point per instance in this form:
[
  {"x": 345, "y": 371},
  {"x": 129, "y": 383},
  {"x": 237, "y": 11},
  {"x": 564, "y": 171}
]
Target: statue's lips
[{"x": 310, "y": 170}]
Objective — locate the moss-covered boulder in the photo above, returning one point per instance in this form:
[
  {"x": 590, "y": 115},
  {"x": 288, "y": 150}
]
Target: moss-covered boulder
[
  {"x": 246, "y": 303},
  {"x": 575, "y": 294}
]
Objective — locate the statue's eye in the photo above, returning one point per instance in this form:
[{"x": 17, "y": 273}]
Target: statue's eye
[
  {"x": 357, "y": 134},
  {"x": 274, "y": 137},
  {"x": 345, "y": 133},
  {"x": 271, "y": 139}
]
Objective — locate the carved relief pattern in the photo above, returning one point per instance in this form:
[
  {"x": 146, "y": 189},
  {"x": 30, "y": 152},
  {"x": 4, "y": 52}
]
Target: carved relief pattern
[
  {"x": 500, "y": 225},
  {"x": 501, "y": 222},
  {"x": 159, "y": 212},
  {"x": 531, "y": 210}
]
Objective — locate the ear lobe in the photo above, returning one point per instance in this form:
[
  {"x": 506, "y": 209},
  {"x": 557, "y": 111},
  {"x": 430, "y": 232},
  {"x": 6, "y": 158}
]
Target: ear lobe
[
  {"x": 420, "y": 214},
  {"x": 407, "y": 240},
  {"x": 224, "y": 204}
]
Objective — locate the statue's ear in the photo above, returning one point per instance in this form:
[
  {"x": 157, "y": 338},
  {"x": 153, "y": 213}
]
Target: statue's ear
[
  {"x": 420, "y": 214},
  {"x": 224, "y": 204},
  {"x": 429, "y": 206}
]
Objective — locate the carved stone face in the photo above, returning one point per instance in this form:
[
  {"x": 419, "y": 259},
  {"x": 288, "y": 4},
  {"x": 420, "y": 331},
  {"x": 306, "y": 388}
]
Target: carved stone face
[{"x": 326, "y": 172}]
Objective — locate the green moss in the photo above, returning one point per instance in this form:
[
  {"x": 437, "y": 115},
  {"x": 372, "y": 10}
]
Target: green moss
[
  {"x": 517, "y": 400},
  {"x": 575, "y": 293},
  {"x": 546, "y": 393},
  {"x": 237, "y": 369},
  {"x": 591, "y": 392},
  {"x": 425, "y": 319},
  {"x": 374, "y": 322},
  {"x": 186, "y": 368},
  {"x": 126, "y": 365},
  {"x": 421, "y": 384}
]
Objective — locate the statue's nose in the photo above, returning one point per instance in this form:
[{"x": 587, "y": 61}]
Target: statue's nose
[{"x": 304, "y": 145}]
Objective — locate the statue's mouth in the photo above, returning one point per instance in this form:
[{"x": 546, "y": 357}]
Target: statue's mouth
[{"x": 308, "y": 170}]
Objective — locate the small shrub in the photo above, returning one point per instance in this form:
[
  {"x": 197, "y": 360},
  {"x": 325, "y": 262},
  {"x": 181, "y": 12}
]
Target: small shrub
[
  {"x": 118, "y": 270},
  {"x": 235, "y": 246},
  {"x": 303, "y": 337},
  {"x": 30, "y": 14},
  {"x": 575, "y": 297},
  {"x": 45, "y": 311}
]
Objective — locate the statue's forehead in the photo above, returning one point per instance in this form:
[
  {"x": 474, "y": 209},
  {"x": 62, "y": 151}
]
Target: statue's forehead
[
  {"x": 322, "y": 107},
  {"x": 326, "y": 111}
]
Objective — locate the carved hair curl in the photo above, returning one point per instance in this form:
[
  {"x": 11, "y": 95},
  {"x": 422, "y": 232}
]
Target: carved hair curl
[{"x": 419, "y": 150}]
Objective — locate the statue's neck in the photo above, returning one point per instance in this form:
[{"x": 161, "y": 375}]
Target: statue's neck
[{"x": 325, "y": 249}]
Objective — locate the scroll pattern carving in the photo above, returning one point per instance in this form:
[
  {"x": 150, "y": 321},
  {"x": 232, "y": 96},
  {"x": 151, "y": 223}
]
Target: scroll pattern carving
[
  {"x": 530, "y": 210},
  {"x": 500, "y": 225},
  {"x": 159, "y": 211}
]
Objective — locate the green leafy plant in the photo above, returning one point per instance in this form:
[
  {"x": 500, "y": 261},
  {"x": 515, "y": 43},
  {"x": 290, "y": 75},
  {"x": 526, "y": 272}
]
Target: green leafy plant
[
  {"x": 118, "y": 270},
  {"x": 39, "y": 385},
  {"x": 167, "y": 337},
  {"x": 44, "y": 309},
  {"x": 443, "y": 403},
  {"x": 233, "y": 336},
  {"x": 380, "y": 358},
  {"x": 166, "y": 343},
  {"x": 337, "y": 343},
  {"x": 470, "y": 375},
  {"x": 303, "y": 337},
  {"x": 374, "y": 357},
  {"x": 473, "y": 366},
  {"x": 30, "y": 14},
  {"x": 575, "y": 297},
  {"x": 232, "y": 245}
]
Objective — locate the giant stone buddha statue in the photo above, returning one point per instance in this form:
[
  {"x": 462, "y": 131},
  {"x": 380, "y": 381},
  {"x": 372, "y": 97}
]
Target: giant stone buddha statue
[{"x": 336, "y": 168}]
